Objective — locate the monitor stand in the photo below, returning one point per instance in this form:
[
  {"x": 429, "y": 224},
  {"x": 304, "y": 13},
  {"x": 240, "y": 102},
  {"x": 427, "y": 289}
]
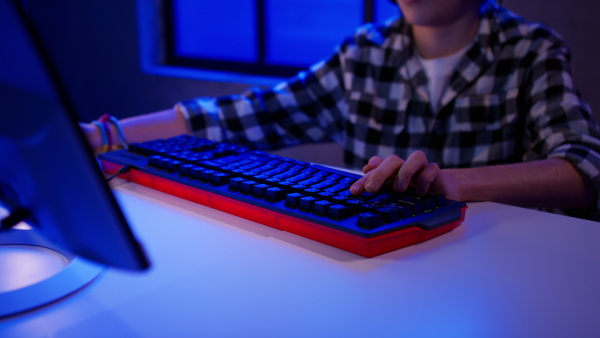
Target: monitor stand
[{"x": 75, "y": 273}]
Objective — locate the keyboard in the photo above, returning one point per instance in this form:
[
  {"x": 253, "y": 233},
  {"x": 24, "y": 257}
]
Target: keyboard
[{"x": 306, "y": 199}]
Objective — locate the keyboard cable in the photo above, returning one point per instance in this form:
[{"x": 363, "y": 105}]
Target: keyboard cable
[{"x": 123, "y": 170}]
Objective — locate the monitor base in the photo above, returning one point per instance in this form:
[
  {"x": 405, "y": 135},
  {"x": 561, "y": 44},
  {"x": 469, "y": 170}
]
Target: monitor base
[{"x": 77, "y": 274}]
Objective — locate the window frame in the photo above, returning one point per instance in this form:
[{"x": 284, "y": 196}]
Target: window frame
[{"x": 153, "y": 50}]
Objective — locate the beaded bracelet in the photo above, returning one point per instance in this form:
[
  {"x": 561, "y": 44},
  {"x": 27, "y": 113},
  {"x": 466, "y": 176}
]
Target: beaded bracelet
[
  {"x": 104, "y": 119},
  {"x": 105, "y": 140},
  {"x": 103, "y": 124},
  {"x": 120, "y": 133}
]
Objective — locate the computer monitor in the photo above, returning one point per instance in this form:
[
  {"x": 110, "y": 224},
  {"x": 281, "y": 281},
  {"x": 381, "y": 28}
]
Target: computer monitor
[{"x": 49, "y": 177}]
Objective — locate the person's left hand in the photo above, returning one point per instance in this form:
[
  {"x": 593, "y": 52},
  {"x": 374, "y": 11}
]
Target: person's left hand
[
  {"x": 92, "y": 135},
  {"x": 415, "y": 170}
]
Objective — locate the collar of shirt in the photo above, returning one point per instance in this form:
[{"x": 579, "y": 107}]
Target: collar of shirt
[{"x": 396, "y": 40}]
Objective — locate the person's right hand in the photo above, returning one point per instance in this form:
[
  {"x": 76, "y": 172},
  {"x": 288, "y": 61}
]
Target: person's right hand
[{"x": 415, "y": 171}]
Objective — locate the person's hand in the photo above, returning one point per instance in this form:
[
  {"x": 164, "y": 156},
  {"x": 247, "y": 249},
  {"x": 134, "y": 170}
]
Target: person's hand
[
  {"x": 92, "y": 135},
  {"x": 415, "y": 170}
]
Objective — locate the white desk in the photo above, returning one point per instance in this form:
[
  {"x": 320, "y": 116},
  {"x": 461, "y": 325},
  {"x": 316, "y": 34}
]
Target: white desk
[{"x": 506, "y": 272}]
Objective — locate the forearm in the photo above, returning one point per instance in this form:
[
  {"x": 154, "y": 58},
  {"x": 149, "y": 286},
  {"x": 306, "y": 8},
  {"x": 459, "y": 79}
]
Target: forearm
[
  {"x": 551, "y": 183},
  {"x": 162, "y": 124}
]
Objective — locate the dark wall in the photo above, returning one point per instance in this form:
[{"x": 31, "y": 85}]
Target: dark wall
[{"x": 97, "y": 45}]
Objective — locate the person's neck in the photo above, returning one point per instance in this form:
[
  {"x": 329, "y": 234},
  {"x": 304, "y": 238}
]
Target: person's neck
[{"x": 434, "y": 42}]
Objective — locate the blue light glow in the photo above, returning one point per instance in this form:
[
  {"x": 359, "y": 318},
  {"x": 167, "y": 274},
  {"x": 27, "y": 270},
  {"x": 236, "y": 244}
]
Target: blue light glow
[
  {"x": 224, "y": 29},
  {"x": 301, "y": 32}
]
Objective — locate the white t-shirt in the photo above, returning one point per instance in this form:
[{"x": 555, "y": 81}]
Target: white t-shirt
[{"x": 438, "y": 73}]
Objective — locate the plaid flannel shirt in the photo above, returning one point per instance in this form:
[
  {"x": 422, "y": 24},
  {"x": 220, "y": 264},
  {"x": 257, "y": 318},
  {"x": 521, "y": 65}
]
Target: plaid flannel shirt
[{"x": 510, "y": 100}]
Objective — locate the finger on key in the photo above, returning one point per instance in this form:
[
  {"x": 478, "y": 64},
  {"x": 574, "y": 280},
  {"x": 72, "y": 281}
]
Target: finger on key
[
  {"x": 426, "y": 178},
  {"x": 358, "y": 187},
  {"x": 388, "y": 168},
  {"x": 373, "y": 163},
  {"x": 415, "y": 163}
]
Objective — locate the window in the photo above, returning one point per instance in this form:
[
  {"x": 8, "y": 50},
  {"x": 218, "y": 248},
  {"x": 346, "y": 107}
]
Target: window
[{"x": 263, "y": 37}]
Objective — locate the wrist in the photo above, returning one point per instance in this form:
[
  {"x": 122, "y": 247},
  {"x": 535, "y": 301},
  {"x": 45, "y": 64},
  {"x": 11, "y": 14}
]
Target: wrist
[
  {"x": 458, "y": 185},
  {"x": 92, "y": 135},
  {"x": 108, "y": 135}
]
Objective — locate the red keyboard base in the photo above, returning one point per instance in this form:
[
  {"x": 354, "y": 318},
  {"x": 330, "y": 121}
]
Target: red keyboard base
[{"x": 366, "y": 247}]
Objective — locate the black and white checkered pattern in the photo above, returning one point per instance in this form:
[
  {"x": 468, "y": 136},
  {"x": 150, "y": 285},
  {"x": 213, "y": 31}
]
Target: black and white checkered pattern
[{"x": 510, "y": 100}]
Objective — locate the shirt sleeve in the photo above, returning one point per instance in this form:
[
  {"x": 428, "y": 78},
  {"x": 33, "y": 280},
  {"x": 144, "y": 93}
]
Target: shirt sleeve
[
  {"x": 560, "y": 123},
  {"x": 309, "y": 108}
]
